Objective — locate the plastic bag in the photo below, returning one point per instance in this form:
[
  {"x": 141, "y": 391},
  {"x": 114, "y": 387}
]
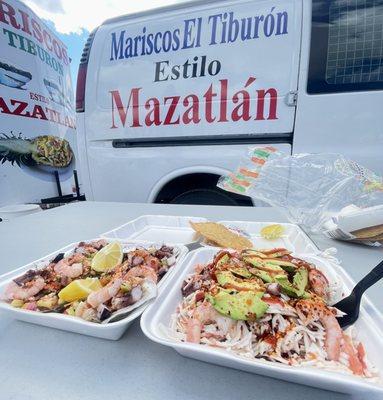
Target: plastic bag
[
  {"x": 322, "y": 192},
  {"x": 250, "y": 165}
]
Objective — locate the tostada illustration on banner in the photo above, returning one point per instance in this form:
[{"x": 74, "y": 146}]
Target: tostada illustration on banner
[{"x": 37, "y": 120}]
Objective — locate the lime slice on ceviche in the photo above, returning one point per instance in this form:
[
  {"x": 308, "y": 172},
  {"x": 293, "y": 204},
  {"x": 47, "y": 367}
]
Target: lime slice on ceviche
[
  {"x": 108, "y": 257},
  {"x": 79, "y": 289},
  {"x": 274, "y": 231}
]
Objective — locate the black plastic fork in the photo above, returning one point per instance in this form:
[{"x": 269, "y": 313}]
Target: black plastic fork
[{"x": 351, "y": 304}]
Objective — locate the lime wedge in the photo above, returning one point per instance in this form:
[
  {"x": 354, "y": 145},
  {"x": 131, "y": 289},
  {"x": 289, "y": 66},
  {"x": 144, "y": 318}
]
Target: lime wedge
[{"x": 271, "y": 232}]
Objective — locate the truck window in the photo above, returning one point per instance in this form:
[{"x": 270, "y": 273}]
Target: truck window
[{"x": 346, "y": 46}]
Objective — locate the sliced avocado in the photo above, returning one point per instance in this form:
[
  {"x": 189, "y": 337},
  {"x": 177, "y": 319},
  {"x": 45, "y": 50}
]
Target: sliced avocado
[
  {"x": 241, "y": 306},
  {"x": 126, "y": 287},
  {"x": 286, "y": 265},
  {"x": 259, "y": 263},
  {"x": 273, "y": 267},
  {"x": 266, "y": 277},
  {"x": 241, "y": 271},
  {"x": 301, "y": 279},
  {"x": 71, "y": 310},
  {"x": 17, "y": 303},
  {"x": 222, "y": 261},
  {"x": 256, "y": 261},
  {"x": 227, "y": 279},
  {"x": 47, "y": 302},
  {"x": 297, "y": 288},
  {"x": 286, "y": 286},
  {"x": 278, "y": 253},
  {"x": 253, "y": 253}
]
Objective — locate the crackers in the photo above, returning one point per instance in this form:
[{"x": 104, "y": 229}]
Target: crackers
[{"x": 221, "y": 236}]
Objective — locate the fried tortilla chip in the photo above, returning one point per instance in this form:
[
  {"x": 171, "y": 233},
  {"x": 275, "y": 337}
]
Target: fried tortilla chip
[
  {"x": 367, "y": 233},
  {"x": 221, "y": 235},
  {"x": 372, "y": 239}
]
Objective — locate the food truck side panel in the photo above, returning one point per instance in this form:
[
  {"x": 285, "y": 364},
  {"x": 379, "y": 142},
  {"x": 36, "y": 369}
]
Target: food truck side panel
[
  {"x": 340, "y": 95},
  {"x": 201, "y": 80},
  {"x": 36, "y": 108}
]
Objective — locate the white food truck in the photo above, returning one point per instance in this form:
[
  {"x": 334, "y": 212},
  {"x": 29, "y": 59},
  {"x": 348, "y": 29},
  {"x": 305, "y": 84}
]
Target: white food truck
[
  {"x": 37, "y": 114},
  {"x": 169, "y": 99}
]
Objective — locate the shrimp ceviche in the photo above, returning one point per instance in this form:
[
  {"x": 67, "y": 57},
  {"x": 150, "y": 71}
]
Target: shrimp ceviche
[
  {"x": 267, "y": 305},
  {"x": 81, "y": 282}
]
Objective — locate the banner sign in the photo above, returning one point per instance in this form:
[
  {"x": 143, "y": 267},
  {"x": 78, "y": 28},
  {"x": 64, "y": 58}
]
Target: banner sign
[
  {"x": 37, "y": 117},
  {"x": 224, "y": 68}
]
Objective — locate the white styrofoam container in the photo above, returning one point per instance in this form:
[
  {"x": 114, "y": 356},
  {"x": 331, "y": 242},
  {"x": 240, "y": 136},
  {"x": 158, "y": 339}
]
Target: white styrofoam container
[
  {"x": 176, "y": 229},
  {"x": 18, "y": 210},
  {"x": 112, "y": 331},
  {"x": 369, "y": 330},
  {"x": 167, "y": 228},
  {"x": 293, "y": 238}
]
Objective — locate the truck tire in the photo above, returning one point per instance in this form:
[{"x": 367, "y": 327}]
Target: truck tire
[{"x": 204, "y": 196}]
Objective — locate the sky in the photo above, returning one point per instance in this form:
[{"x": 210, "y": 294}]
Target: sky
[{"x": 74, "y": 19}]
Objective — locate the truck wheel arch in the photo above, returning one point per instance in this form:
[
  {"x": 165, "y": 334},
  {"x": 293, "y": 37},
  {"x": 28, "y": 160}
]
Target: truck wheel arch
[{"x": 186, "y": 180}]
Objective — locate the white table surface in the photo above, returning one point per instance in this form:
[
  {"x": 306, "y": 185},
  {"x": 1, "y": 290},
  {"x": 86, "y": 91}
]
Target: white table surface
[{"x": 43, "y": 363}]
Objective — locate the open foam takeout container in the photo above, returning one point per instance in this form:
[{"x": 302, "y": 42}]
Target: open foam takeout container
[
  {"x": 177, "y": 229},
  {"x": 112, "y": 331},
  {"x": 155, "y": 322},
  {"x": 293, "y": 237},
  {"x": 156, "y": 228}
]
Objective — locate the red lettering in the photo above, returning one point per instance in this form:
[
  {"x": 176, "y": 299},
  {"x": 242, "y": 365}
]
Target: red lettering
[
  {"x": 153, "y": 116},
  {"x": 209, "y": 104},
  {"x": 36, "y": 28},
  {"x": 20, "y": 108},
  {"x": 192, "y": 113},
  {"x": 65, "y": 56},
  {"x": 242, "y": 110},
  {"x": 53, "y": 115},
  {"x": 10, "y": 16},
  {"x": 261, "y": 104},
  {"x": 223, "y": 100},
  {"x": 25, "y": 18},
  {"x": 67, "y": 122},
  {"x": 172, "y": 108},
  {"x": 38, "y": 112},
  {"x": 3, "y": 107},
  {"x": 7, "y": 10},
  {"x": 243, "y": 105},
  {"x": 47, "y": 40},
  {"x": 123, "y": 112},
  {"x": 57, "y": 49}
]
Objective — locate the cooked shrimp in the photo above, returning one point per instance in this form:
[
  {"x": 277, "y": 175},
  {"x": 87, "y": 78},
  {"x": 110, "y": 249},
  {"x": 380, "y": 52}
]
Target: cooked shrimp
[
  {"x": 85, "y": 311},
  {"x": 53, "y": 286},
  {"x": 309, "y": 311},
  {"x": 193, "y": 330},
  {"x": 152, "y": 262},
  {"x": 76, "y": 258},
  {"x": 63, "y": 268},
  {"x": 29, "y": 289},
  {"x": 354, "y": 361},
  {"x": 278, "y": 306},
  {"x": 98, "y": 244},
  {"x": 91, "y": 247},
  {"x": 203, "y": 314},
  {"x": 142, "y": 272},
  {"x": 362, "y": 355},
  {"x": 319, "y": 283},
  {"x": 105, "y": 293}
]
